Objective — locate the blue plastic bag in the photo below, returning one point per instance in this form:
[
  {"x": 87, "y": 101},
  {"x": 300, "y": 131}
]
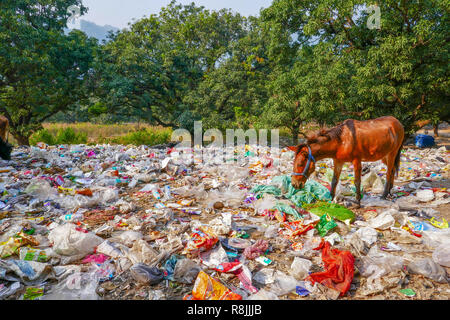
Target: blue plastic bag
[{"x": 424, "y": 141}]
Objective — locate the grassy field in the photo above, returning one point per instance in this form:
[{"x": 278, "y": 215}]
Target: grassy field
[
  {"x": 125, "y": 133},
  {"x": 89, "y": 133}
]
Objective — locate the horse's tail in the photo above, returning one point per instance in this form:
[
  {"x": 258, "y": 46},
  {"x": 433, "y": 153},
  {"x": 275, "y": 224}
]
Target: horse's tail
[{"x": 397, "y": 159}]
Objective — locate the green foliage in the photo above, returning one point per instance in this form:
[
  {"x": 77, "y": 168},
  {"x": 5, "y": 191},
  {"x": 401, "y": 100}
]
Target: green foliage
[
  {"x": 97, "y": 109},
  {"x": 63, "y": 136},
  {"x": 299, "y": 62},
  {"x": 149, "y": 69},
  {"x": 42, "y": 70},
  {"x": 69, "y": 136},
  {"x": 234, "y": 93},
  {"x": 43, "y": 135},
  {"x": 353, "y": 71}
]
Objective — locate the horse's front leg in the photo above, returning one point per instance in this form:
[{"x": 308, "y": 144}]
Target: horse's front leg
[
  {"x": 336, "y": 174},
  {"x": 357, "y": 169}
]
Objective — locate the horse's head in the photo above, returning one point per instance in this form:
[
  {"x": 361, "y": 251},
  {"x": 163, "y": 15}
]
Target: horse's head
[{"x": 304, "y": 165}]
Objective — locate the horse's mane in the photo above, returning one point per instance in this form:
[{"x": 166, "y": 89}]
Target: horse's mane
[{"x": 324, "y": 135}]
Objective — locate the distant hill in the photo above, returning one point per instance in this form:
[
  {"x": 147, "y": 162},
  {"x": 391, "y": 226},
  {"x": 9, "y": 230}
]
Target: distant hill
[{"x": 94, "y": 30}]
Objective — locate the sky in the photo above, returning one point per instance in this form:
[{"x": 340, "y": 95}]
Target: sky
[{"x": 118, "y": 13}]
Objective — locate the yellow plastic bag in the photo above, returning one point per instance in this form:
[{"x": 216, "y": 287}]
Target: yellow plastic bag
[{"x": 439, "y": 224}]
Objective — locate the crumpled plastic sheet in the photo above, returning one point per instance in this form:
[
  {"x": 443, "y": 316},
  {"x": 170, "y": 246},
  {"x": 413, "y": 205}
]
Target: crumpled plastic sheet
[
  {"x": 281, "y": 185},
  {"x": 339, "y": 269}
]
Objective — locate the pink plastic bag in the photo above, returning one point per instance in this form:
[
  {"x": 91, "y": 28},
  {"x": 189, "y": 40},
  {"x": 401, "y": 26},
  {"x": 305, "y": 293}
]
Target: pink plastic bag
[{"x": 257, "y": 249}]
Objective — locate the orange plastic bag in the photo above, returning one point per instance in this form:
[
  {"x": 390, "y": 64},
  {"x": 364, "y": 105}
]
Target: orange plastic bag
[
  {"x": 85, "y": 192},
  {"x": 206, "y": 288},
  {"x": 296, "y": 228},
  {"x": 339, "y": 269}
]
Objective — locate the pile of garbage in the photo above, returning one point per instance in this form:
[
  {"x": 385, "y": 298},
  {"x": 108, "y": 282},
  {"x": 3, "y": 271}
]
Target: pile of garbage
[{"x": 126, "y": 222}]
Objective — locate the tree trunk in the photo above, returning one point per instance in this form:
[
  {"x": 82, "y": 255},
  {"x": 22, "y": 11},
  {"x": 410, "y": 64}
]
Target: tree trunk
[
  {"x": 295, "y": 132},
  {"x": 436, "y": 130},
  {"x": 22, "y": 140}
]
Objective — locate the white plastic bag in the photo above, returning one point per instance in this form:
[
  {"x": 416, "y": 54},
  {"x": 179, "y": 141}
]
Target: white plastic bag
[
  {"x": 300, "y": 268},
  {"x": 68, "y": 241},
  {"x": 442, "y": 255}
]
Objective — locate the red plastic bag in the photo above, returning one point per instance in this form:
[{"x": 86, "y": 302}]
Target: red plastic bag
[{"x": 339, "y": 269}]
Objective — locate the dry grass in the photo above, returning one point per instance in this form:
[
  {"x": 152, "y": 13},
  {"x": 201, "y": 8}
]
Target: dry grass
[{"x": 102, "y": 132}]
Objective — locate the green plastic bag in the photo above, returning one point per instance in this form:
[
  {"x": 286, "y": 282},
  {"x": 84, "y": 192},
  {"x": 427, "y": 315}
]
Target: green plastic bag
[
  {"x": 334, "y": 210},
  {"x": 326, "y": 223},
  {"x": 32, "y": 293},
  {"x": 408, "y": 292},
  {"x": 281, "y": 185},
  {"x": 261, "y": 189},
  {"x": 287, "y": 209}
]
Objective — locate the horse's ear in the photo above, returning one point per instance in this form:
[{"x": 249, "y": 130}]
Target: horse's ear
[{"x": 293, "y": 148}]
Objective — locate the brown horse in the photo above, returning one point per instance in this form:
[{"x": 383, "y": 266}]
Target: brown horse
[
  {"x": 352, "y": 141},
  {"x": 4, "y": 126}
]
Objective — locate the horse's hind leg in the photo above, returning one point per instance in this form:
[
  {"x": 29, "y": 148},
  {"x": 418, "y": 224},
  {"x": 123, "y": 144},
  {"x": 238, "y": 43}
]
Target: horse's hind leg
[
  {"x": 357, "y": 168},
  {"x": 389, "y": 161}
]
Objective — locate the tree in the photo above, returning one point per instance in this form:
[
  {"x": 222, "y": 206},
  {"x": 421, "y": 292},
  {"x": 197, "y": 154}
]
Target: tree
[
  {"x": 297, "y": 96},
  {"x": 42, "y": 70},
  {"x": 400, "y": 69},
  {"x": 152, "y": 67},
  {"x": 234, "y": 92}
]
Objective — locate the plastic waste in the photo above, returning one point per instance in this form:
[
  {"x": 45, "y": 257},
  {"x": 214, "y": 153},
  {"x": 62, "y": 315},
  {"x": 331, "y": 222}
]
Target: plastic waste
[
  {"x": 73, "y": 242},
  {"x": 383, "y": 221},
  {"x": 30, "y": 254},
  {"x": 6, "y": 291},
  {"x": 76, "y": 286},
  {"x": 257, "y": 249},
  {"x": 441, "y": 255},
  {"x": 283, "y": 283},
  {"x": 326, "y": 223},
  {"x": 339, "y": 269},
  {"x": 264, "y": 276},
  {"x": 424, "y": 141},
  {"x": 334, "y": 210},
  {"x": 27, "y": 272},
  {"x": 263, "y": 295},
  {"x": 428, "y": 268},
  {"x": 202, "y": 239},
  {"x": 378, "y": 263},
  {"x": 372, "y": 182},
  {"x": 214, "y": 257},
  {"x": 207, "y": 288},
  {"x": 368, "y": 235},
  {"x": 425, "y": 195},
  {"x": 146, "y": 274},
  {"x": 300, "y": 268},
  {"x": 128, "y": 237},
  {"x": 141, "y": 252},
  {"x": 186, "y": 271}
]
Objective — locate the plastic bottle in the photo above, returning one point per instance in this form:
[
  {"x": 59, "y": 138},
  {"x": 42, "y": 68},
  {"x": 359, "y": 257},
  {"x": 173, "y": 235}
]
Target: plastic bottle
[
  {"x": 155, "y": 192},
  {"x": 72, "y": 217},
  {"x": 167, "y": 193}
]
